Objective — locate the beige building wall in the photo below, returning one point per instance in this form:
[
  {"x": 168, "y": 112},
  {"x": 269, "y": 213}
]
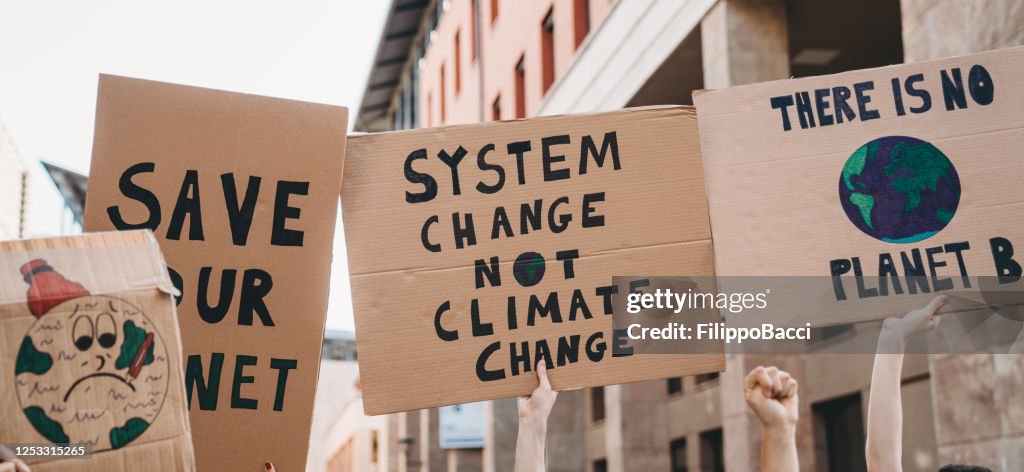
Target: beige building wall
[
  {"x": 978, "y": 411},
  {"x": 358, "y": 443},
  {"x": 956, "y": 408},
  {"x": 13, "y": 189},
  {"x": 943, "y": 28}
]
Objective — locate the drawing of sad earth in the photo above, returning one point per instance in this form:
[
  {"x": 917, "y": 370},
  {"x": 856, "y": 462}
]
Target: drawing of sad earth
[{"x": 92, "y": 369}]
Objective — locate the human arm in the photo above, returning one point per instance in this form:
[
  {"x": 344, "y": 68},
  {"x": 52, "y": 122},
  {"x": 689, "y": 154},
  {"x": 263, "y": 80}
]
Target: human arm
[
  {"x": 884, "y": 449},
  {"x": 772, "y": 395},
  {"x": 533, "y": 424}
]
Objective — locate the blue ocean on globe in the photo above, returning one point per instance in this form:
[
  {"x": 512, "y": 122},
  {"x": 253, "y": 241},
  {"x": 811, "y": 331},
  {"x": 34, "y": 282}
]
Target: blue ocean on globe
[{"x": 899, "y": 189}]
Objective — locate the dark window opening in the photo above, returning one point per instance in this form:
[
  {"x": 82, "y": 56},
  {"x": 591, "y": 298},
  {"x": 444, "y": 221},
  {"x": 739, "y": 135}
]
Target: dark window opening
[
  {"x": 677, "y": 454},
  {"x": 521, "y": 88},
  {"x": 712, "y": 458},
  {"x": 705, "y": 378},
  {"x": 547, "y": 51},
  {"x": 441, "y": 96},
  {"x": 458, "y": 61},
  {"x": 675, "y": 385},
  {"x": 496, "y": 109},
  {"x": 474, "y": 26},
  {"x": 597, "y": 404},
  {"x": 581, "y": 20},
  {"x": 839, "y": 434},
  {"x": 601, "y": 465}
]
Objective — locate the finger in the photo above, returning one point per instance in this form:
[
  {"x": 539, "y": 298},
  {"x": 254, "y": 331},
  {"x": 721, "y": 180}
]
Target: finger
[
  {"x": 791, "y": 391},
  {"x": 7, "y": 467},
  {"x": 784, "y": 379},
  {"x": 269, "y": 466},
  {"x": 765, "y": 379},
  {"x": 750, "y": 382},
  {"x": 776, "y": 385},
  {"x": 542, "y": 373},
  {"x": 934, "y": 305}
]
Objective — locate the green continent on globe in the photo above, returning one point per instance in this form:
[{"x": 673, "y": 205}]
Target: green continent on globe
[
  {"x": 865, "y": 203},
  {"x": 49, "y": 428},
  {"x": 855, "y": 164},
  {"x": 31, "y": 359},
  {"x": 122, "y": 435},
  {"x": 926, "y": 170}
]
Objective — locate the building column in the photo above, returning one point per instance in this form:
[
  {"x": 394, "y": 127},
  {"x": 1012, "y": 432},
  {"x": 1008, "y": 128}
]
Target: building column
[
  {"x": 566, "y": 446},
  {"x": 500, "y": 432},
  {"x": 636, "y": 419},
  {"x": 744, "y": 41},
  {"x": 943, "y": 28},
  {"x": 979, "y": 418}
]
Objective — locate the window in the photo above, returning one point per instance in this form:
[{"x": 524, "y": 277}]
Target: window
[
  {"x": 547, "y": 51},
  {"x": 521, "y": 88},
  {"x": 581, "y": 20},
  {"x": 601, "y": 465},
  {"x": 441, "y": 96},
  {"x": 839, "y": 432},
  {"x": 474, "y": 26},
  {"x": 458, "y": 61},
  {"x": 677, "y": 454},
  {"x": 496, "y": 109},
  {"x": 597, "y": 404},
  {"x": 711, "y": 457},
  {"x": 705, "y": 378},
  {"x": 494, "y": 10},
  {"x": 428, "y": 120},
  {"x": 675, "y": 385}
]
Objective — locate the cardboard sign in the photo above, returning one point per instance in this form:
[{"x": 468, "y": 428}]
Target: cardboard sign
[
  {"x": 477, "y": 251},
  {"x": 90, "y": 354},
  {"x": 242, "y": 192},
  {"x": 908, "y": 171}
]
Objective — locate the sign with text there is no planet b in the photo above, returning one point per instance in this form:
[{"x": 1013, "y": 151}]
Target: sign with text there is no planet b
[
  {"x": 477, "y": 251},
  {"x": 242, "y": 194},
  {"x": 886, "y": 185}
]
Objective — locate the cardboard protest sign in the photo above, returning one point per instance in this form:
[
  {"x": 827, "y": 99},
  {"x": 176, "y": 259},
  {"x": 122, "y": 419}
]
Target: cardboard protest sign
[
  {"x": 242, "y": 193},
  {"x": 476, "y": 251},
  {"x": 90, "y": 354},
  {"x": 905, "y": 176}
]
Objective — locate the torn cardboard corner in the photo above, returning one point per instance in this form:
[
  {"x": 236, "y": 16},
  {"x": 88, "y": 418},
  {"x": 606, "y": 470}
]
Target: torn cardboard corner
[
  {"x": 89, "y": 336},
  {"x": 886, "y": 185},
  {"x": 476, "y": 251},
  {"x": 241, "y": 192}
]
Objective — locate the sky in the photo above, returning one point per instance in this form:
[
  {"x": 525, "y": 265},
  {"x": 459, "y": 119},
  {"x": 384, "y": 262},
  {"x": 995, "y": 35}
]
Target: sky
[{"x": 51, "y": 53}]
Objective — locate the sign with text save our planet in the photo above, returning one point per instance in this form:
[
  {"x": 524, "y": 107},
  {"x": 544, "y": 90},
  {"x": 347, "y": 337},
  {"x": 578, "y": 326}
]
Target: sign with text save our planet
[
  {"x": 890, "y": 185},
  {"x": 242, "y": 194},
  {"x": 477, "y": 251}
]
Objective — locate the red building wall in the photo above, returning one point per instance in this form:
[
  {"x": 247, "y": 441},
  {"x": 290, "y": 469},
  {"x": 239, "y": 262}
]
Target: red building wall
[{"x": 515, "y": 32}]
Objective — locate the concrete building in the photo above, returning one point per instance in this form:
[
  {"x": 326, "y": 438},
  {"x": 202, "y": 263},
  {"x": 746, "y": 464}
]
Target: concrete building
[
  {"x": 462, "y": 61},
  {"x": 13, "y": 189}
]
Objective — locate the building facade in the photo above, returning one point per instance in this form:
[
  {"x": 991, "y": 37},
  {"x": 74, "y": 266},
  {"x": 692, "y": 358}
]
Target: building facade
[
  {"x": 448, "y": 62},
  {"x": 13, "y": 189}
]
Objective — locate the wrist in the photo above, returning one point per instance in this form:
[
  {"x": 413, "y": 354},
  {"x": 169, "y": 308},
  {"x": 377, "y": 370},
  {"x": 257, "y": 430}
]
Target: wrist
[
  {"x": 533, "y": 425},
  {"x": 892, "y": 340},
  {"x": 779, "y": 434}
]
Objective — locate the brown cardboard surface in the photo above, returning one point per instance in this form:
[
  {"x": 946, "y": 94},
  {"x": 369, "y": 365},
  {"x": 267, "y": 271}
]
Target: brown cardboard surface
[
  {"x": 776, "y": 196},
  {"x": 172, "y": 148},
  {"x": 91, "y": 353},
  {"x": 655, "y": 222}
]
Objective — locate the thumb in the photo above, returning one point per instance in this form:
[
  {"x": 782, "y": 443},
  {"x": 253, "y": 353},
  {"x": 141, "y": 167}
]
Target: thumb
[{"x": 542, "y": 373}]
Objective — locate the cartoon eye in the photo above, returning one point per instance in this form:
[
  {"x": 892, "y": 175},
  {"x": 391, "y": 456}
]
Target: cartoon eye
[
  {"x": 106, "y": 330},
  {"x": 82, "y": 333}
]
